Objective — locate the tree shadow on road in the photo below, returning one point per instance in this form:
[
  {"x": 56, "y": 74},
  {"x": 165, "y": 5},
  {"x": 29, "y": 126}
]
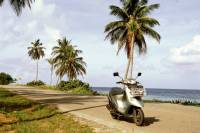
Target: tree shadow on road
[
  {"x": 81, "y": 100},
  {"x": 82, "y": 109}
]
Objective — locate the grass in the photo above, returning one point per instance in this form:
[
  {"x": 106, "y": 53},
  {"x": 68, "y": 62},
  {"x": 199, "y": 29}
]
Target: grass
[
  {"x": 55, "y": 124},
  {"x": 21, "y": 115},
  {"x": 82, "y": 91},
  {"x": 10, "y": 101},
  {"x": 181, "y": 102},
  {"x": 47, "y": 87},
  {"x": 76, "y": 91}
]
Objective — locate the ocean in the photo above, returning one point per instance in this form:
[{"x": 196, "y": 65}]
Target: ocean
[{"x": 164, "y": 94}]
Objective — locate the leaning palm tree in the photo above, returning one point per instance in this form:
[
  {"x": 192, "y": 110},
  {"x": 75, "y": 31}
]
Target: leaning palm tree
[
  {"x": 131, "y": 27},
  {"x": 17, "y": 5},
  {"x": 67, "y": 61},
  {"x": 36, "y": 51},
  {"x": 51, "y": 62}
]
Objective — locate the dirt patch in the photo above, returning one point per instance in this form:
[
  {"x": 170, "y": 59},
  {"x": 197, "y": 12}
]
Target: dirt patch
[{"x": 6, "y": 119}]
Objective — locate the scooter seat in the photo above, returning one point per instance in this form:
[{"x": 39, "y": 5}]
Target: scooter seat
[{"x": 116, "y": 91}]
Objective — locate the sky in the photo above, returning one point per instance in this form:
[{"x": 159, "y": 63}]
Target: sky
[{"x": 173, "y": 63}]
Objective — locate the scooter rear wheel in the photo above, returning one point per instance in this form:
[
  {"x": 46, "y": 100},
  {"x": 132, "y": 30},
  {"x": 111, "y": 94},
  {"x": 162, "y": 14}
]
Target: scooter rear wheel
[{"x": 138, "y": 116}]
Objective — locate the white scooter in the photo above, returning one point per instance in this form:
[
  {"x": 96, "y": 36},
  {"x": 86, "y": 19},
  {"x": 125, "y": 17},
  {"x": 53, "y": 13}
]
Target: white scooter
[{"x": 127, "y": 101}]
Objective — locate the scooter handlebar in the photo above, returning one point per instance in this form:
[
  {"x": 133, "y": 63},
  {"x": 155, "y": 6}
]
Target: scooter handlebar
[{"x": 119, "y": 82}]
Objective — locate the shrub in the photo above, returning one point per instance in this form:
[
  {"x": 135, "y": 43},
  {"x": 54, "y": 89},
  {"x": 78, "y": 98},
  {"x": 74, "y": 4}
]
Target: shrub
[
  {"x": 35, "y": 83},
  {"x": 5, "y": 79},
  {"x": 83, "y": 91},
  {"x": 76, "y": 87},
  {"x": 70, "y": 85}
]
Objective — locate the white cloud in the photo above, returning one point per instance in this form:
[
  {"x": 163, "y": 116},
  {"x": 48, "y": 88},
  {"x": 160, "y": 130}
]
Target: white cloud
[
  {"x": 42, "y": 10},
  {"x": 187, "y": 54}
]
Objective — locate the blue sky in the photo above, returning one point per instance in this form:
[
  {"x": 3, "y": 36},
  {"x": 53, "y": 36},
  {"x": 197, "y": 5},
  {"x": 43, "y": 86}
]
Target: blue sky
[{"x": 174, "y": 63}]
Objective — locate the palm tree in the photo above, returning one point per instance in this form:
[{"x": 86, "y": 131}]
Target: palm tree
[
  {"x": 17, "y": 5},
  {"x": 132, "y": 25},
  {"x": 36, "y": 51},
  {"x": 51, "y": 62},
  {"x": 67, "y": 60}
]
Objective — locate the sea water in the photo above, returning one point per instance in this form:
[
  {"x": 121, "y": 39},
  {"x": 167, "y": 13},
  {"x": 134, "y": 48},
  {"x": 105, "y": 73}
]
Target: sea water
[{"x": 164, "y": 94}]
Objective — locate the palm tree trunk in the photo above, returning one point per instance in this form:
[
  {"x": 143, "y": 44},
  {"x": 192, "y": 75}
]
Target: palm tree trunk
[
  {"x": 127, "y": 68},
  {"x": 57, "y": 81},
  {"x": 51, "y": 75},
  {"x": 130, "y": 60},
  {"x": 37, "y": 71},
  {"x": 132, "y": 55}
]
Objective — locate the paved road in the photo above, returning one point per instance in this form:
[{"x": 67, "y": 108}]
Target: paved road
[{"x": 159, "y": 118}]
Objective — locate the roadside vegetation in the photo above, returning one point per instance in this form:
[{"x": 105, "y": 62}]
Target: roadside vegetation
[
  {"x": 181, "y": 102},
  {"x": 21, "y": 115},
  {"x": 76, "y": 87},
  {"x": 35, "y": 83},
  {"x": 5, "y": 79}
]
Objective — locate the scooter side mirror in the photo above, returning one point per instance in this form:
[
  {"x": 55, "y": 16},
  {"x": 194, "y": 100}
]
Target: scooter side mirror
[
  {"x": 139, "y": 74},
  {"x": 115, "y": 74}
]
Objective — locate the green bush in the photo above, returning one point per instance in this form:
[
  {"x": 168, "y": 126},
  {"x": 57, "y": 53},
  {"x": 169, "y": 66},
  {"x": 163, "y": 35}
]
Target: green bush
[
  {"x": 70, "y": 85},
  {"x": 5, "y": 79},
  {"x": 35, "y": 83},
  {"x": 83, "y": 91},
  {"x": 76, "y": 87}
]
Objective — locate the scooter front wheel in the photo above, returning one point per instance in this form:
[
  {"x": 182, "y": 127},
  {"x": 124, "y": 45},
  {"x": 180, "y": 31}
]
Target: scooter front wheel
[{"x": 138, "y": 116}]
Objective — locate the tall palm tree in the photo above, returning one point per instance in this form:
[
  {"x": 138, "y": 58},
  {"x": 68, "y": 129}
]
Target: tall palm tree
[
  {"x": 17, "y": 5},
  {"x": 36, "y": 51},
  {"x": 51, "y": 62},
  {"x": 132, "y": 25},
  {"x": 67, "y": 60}
]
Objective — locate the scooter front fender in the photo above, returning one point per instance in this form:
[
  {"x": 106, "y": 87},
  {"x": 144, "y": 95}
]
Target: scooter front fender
[{"x": 136, "y": 102}]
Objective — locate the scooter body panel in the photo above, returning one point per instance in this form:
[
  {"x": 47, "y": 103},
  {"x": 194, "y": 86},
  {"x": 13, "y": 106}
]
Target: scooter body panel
[
  {"x": 120, "y": 103},
  {"x": 133, "y": 101},
  {"x": 123, "y": 102}
]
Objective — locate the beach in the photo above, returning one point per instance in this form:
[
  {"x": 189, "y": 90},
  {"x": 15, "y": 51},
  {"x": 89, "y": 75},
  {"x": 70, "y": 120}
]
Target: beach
[{"x": 159, "y": 117}]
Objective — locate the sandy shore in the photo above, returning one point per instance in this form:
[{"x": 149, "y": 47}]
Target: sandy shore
[{"x": 159, "y": 117}]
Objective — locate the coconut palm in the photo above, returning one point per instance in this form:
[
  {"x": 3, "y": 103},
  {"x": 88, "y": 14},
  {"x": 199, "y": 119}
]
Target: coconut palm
[
  {"x": 67, "y": 60},
  {"x": 36, "y": 51},
  {"x": 17, "y": 5},
  {"x": 51, "y": 62},
  {"x": 131, "y": 27}
]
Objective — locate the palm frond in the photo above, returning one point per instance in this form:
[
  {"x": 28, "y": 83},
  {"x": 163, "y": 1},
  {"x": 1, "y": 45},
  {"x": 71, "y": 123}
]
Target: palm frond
[
  {"x": 113, "y": 25},
  {"x": 36, "y": 51},
  {"x": 117, "y": 11},
  {"x": 67, "y": 61},
  {"x": 133, "y": 23},
  {"x": 17, "y": 5},
  {"x": 152, "y": 33},
  {"x": 148, "y": 21}
]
